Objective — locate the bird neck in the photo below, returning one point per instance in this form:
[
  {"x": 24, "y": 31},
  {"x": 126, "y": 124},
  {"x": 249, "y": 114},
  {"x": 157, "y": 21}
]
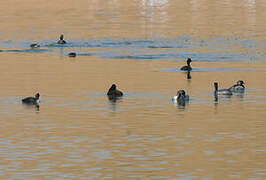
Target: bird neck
[{"x": 216, "y": 87}]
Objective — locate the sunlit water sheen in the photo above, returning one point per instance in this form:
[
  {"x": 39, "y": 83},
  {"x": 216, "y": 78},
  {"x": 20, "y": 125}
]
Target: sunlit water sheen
[{"x": 77, "y": 133}]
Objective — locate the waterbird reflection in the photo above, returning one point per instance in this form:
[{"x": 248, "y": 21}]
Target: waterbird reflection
[
  {"x": 188, "y": 75},
  {"x": 113, "y": 102},
  {"x": 223, "y": 98},
  {"x": 239, "y": 95},
  {"x": 36, "y": 106},
  {"x": 61, "y": 52},
  {"x": 215, "y": 98},
  {"x": 114, "y": 99},
  {"x": 220, "y": 93},
  {"x": 180, "y": 104}
]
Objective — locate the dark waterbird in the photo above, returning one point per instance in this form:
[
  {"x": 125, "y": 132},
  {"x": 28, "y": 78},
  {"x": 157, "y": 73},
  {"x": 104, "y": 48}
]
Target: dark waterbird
[
  {"x": 35, "y": 46},
  {"x": 32, "y": 100},
  {"x": 181, "y": 95},
  {"x": 221, "y": 92},
  {"x": 114, "y": 93},
  {"x": 72, "y": 54},
  {"x": 181, "y": 98},
  {"x": 188, "y": 67},
  {"x": 61, "y": 40},
  {"x": 238, "y": 87}
]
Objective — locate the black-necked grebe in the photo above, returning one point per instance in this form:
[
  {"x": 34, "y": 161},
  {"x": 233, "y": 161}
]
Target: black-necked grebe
[
  {"x": 238, "y": 87},
  {"x": 72, "y": 54},
  {"x": 32, "y": 100},
  {"x": 188, "y": 67},
  {"x": 35, "y": 46},
  {"x": 61, "y": 40},
  {"x": 113, "y": 92},
  {"x": 217, "y": 92}
]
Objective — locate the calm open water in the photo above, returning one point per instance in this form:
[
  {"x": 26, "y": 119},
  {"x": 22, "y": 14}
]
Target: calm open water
[{"x": 77, "y": 133}]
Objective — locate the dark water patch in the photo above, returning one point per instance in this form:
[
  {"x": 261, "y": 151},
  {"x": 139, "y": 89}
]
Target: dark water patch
[
  {"x": 182, "y": 56},
  {"x": 217, "y": 57},
  {"x": 79, "y": 53},
  {"x": 27, "y": 51},
  {"x": 215, "y": 69},
  {"x": 101, "y": 43},
  {"x": 67, "y": 45},
  {"x": 161, "y": 47},
  {"x": 239, "y": 42},
  {"x": 147, "y": 44},
  {"x": 142, "y": 56},
  {"x": 192, "y": 101},
  {"x": 78, "y": 44},
  {"x": 56, "y": 45},
  {"x": 220, "y": 49},
  {"x": 90, "y": 54}
]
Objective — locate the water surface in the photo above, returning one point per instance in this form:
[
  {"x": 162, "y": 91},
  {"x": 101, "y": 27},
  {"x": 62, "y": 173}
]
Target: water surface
[{"x": 77, "y": 133}]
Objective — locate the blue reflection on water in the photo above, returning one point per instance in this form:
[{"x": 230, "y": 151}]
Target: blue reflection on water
[{"x": 216, "y": 49}]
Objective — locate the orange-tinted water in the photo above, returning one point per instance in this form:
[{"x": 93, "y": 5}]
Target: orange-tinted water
[{"x": 77, "y": 133}]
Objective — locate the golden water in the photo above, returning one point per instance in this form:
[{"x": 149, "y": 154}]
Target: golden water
[{"x": 139, "y": 45}]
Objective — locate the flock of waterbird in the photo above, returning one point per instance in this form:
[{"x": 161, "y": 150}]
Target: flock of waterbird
[{"x": 181, "y": 98}]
